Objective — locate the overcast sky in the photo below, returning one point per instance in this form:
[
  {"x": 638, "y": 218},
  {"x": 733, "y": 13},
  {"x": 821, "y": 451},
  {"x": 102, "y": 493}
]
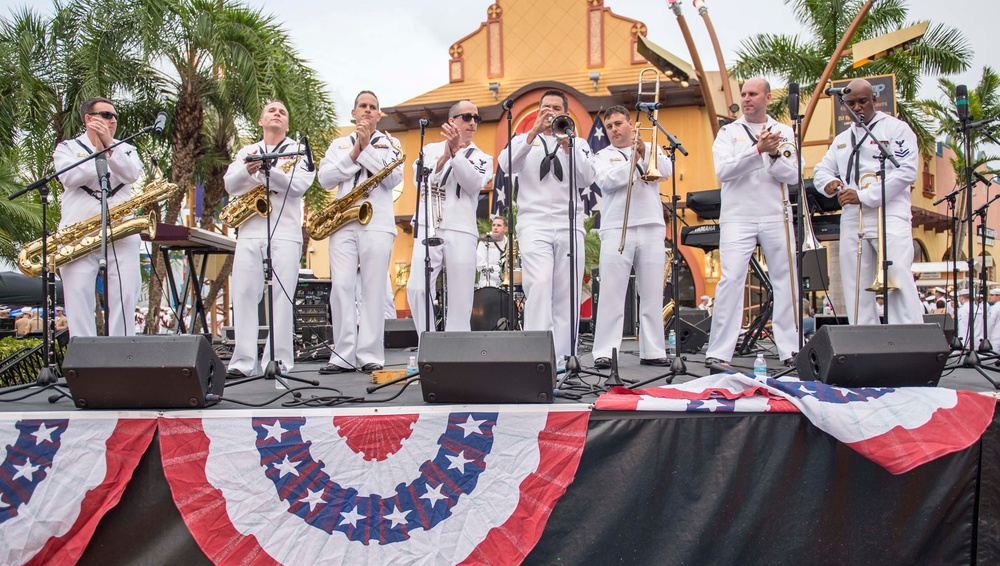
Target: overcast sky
[{"x": 399, "y": 48}]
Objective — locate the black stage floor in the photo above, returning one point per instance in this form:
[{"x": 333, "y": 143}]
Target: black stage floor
[{"x": 353, "y": 385}]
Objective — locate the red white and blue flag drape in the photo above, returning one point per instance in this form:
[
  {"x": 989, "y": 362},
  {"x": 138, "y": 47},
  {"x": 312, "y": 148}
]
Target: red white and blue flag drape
[
  {"x": 441, "y": 486},
  {"x": 898, "y": 428},
  {"x": 60, "y": 473}
]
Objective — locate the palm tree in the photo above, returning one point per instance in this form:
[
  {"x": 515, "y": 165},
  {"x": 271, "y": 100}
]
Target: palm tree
[
  {"x": 220, "y": 56},
  {"x": 984, "y": 102},
  {"x": 22, "y": 217},
  {"x": 942, "y": 51}
]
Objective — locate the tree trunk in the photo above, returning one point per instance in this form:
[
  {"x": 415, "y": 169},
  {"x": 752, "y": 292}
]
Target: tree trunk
[{"x": 186, "y": 143}]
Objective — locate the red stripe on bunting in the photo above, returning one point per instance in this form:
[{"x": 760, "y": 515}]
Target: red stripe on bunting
[{"x": 124, "y": 448}]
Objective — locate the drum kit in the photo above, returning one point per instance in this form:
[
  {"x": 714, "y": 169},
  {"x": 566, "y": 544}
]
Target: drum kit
[{"x": 490, "y": 304}]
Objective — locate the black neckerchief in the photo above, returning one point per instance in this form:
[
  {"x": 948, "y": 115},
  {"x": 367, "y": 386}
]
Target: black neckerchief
[
  {"x": 550, "y": 161},
  {"x": 96, "y": 194},
  {"x": 854, "y": 159},
  {"x": 638, "y": 165},
  {"x": 357, "y": 176},
  {"x": 444, "y": 178}
]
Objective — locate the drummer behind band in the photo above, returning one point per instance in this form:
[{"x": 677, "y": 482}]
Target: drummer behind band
[
  {"x": 643, "y": 243},
  {"x": 458, "y": 171},
  {"x": 489, "y": 254}
]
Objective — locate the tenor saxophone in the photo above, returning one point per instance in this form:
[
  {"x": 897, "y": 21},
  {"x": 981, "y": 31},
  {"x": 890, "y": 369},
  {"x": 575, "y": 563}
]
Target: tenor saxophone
[
  {"x": 255, "y": 202},
  {"x": 346, "y": 210},
  {"x": 83, "y": 237}
]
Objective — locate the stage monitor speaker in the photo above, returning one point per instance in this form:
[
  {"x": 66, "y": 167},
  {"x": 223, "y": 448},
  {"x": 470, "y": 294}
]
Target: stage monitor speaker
[
  {"x": 487, "y": 367},
  {"x": 815, "y": 270},
  {"x": 400, "y": 333},
  {"x": 143, "y": 372},
  {"x": 689, "y": 337},
  {"x": 945, "y": 321},
  {"x": 878, "y": 355}
]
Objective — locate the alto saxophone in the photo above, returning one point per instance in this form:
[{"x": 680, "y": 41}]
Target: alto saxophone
[
  {"x": 244, "y": 207},
  {"x": 83, "y": 237},
  {"x": 346, "y": 210}
]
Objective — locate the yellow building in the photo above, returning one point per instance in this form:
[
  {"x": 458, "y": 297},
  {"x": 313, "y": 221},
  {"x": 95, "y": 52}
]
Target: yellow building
[{"x": 586, "y": 50}]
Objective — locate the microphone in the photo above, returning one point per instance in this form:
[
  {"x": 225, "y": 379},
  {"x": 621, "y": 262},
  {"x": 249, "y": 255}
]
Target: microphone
[
  {"x": 648, "y": 106},
  {"x": 962, "y": 102},
  {"x": 424, "y": 122},
  {"x": 837, "y": 91},
  {"x": 309, "y": 155},
  {"x": 507, "y": 104},
  {"x": 793, "y": 100},
  {"x": 161, "y": 121}
]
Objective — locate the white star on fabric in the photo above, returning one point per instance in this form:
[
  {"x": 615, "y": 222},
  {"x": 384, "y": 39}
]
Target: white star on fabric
[
  {"x": 274, "y": 431},
  {"x": 398, "y": 517},
  {"x": 351, "y": 517},
  {"x": 3, "y": 504},
  {"x": 597, "y": 204},
  {"x": 711, "y": 405},
  {"x": 501, "y": 195},
  {"x": 471, "y": 426},
  {"x": 286, "y": 467},
  {"x": 26, "y": 471},
  {"x": 313, "y": 499},
  {"x": 43, "y": 434},
  {"x": 586, "y": 191},
  {"x": 433, "y": 494},
  {"x": 599, "y": 134},
  {"x": 458, "y": 462}
]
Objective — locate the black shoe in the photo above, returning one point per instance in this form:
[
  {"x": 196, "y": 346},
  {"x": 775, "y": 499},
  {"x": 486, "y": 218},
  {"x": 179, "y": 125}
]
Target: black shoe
[
  {"x": 710, "y": 361},
  {"x": 660, "y": 362},
  {"x": 235, "y": 374},
  {"x": 333, "y": 368},
  {"x": 788, "y": 362},
  {"x": 368, "y": 368},
  {"x": 602, "y": 363}
]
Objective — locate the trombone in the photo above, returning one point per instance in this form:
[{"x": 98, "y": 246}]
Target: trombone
[
  {"x": 787, "y": 149},
  {"x": 652, "y": 174},
  {"x": 878, "y": 285}
]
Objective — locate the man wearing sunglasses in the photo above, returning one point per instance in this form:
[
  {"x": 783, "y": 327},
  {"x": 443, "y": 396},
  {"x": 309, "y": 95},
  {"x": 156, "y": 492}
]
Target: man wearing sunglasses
[
  {"x": 541, "y": 161},
  {"x": 81, "y": 199},
  {"x": 288, "y": 182},
  {"x": 456, "y": 171},
  {"x": 348, "y": 162}
]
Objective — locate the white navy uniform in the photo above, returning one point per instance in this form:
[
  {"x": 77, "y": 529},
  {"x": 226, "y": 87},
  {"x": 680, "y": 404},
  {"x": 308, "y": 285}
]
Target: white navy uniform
[
  {"x": 543, "y": 231},
  {"x": 844, "y": 162},
  {"x": 489, "y": 256},
  {"x": 81, "y": 200},
  {"x": 962, "y": 325},
  {"x": 643, "y": 249},
  {"x": 460, "y": 179},
  {"x": 752, "y": 214},
  {"x": 286, "y": 191},
  {"x": 358, "y": 343}
]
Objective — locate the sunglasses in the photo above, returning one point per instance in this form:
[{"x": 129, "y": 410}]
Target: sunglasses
[
  {"x": 104, "y": 114},
  {"x": 469, "y": 116}
]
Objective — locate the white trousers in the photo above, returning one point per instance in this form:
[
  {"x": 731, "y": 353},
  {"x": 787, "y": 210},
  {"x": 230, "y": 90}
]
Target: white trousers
[
  {"x": 248, "y": 289},
  {"x": 737, "y": 241},
  {"x": 79, "y": 283},
  {"x": 904, "y": 302},
  {"x": 358, "y": 342},
  {"x": 458, "y": 256},
  {"x": 644, "y": 250},
  {"x": 546, "y": 275}
]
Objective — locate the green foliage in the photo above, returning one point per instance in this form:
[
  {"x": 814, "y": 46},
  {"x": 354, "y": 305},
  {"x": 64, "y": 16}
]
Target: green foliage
[
  {"x": 10, "y": 345},
  {"x": 984, "y": 102},
  {"x": 22, "y": 217}
]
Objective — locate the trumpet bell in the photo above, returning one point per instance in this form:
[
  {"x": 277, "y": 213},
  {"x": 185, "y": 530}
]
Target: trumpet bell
[{"x": 563, "y": 126}]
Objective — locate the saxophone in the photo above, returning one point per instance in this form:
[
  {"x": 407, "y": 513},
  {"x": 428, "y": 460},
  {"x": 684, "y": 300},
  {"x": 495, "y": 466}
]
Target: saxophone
[
  {"x": 83, "y": 237},
  {"x": 244, "y": 207},
  {"x": 345, "y": 210}
]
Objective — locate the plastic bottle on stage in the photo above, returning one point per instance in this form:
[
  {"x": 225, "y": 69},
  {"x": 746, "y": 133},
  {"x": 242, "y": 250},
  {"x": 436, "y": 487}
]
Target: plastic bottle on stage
[
  {"x": 760, "y": 366},
  {"x": 411, "y": 367},
  {"x": 672, "y": 338}
]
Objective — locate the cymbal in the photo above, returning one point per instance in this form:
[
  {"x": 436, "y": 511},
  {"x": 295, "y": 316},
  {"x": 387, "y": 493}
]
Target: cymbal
[{"x": 489, "y": 237}]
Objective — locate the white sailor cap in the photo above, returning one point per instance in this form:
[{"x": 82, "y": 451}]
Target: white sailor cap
[
  {"x": 995, "y": 291},
  {"x": 962, "y": 292}
]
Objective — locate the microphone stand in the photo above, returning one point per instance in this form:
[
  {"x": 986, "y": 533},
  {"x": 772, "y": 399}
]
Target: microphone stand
[
  {"x": 985, "y": 347},
  {"x": 956, "y": 340},
  {"x": 422, "y": 174},
  {"x": 800, "y": 213},
  {"x": 884, "y": 154},
  {"x": 513, "y": 319},
  {"x": 677, "y": 366},
  {"x": 272, "y": 371}
]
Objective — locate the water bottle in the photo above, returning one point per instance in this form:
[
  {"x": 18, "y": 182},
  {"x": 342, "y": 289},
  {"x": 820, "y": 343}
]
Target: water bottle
[
  {"x": 411, "y": 367},
  {"x": 672, "y": 338},
  {"x": 760, "y": 366}
]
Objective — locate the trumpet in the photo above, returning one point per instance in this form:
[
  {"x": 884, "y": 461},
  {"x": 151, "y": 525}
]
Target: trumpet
[
  {"x": 652, "y": 174},
  {"x": 563, "y": 126},
  {"x": 787, "y": 149}
]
